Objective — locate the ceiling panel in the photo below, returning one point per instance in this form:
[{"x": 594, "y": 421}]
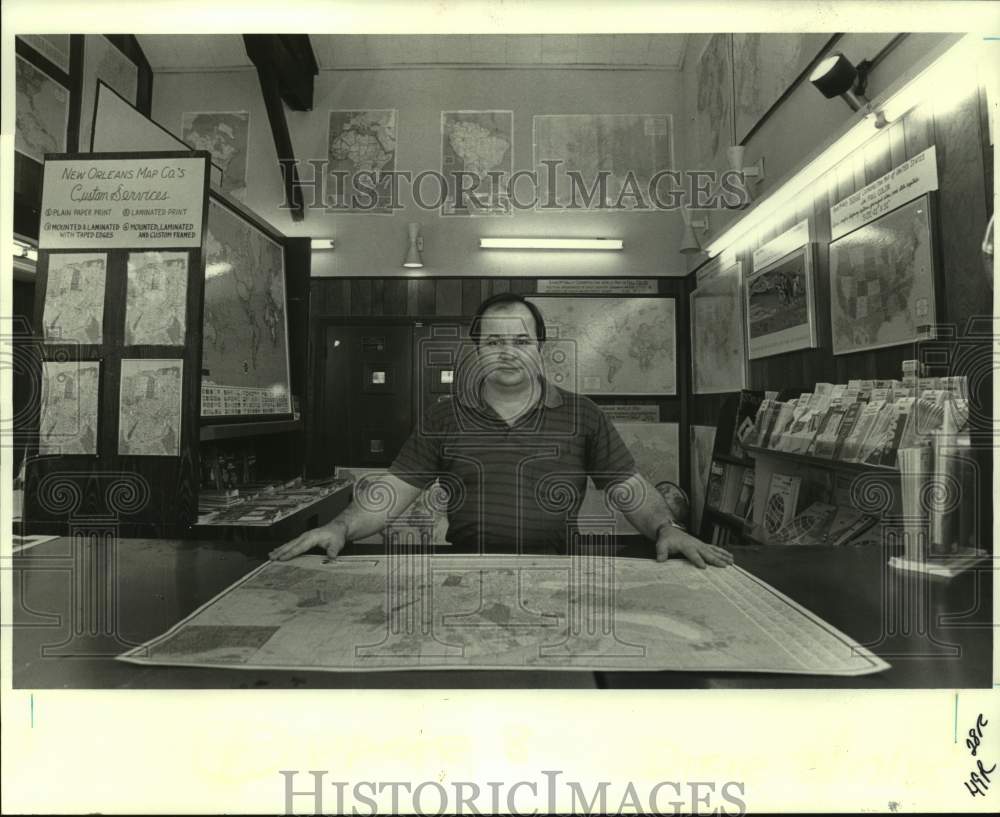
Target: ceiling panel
[{"x": 185, "y": 52}]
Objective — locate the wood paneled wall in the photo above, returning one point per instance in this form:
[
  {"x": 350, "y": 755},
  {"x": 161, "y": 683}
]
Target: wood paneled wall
[
  {"x": 958, "y": 130},
  {"x": 426, "y": 299}
]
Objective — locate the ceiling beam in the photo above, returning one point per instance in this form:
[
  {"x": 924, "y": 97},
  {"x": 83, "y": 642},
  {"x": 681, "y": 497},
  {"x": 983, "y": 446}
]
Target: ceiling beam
[{"x": 285, "y": 68}]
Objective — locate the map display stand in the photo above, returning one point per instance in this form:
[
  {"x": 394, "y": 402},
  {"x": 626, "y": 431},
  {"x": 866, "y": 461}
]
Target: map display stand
[{"x": 119, "y": 348}]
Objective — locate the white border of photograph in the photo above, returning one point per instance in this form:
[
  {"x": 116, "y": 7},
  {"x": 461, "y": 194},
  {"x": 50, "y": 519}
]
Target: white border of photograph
[
  {"x": 793, "y": 338},
  {"x": 715, "y": 272}
]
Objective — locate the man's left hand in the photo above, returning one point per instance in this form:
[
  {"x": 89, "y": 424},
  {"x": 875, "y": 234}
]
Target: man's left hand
[{"x": 673, "y": 542}]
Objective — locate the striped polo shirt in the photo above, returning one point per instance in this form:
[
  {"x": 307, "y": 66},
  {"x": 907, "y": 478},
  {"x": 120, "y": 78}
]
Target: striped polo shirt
[{"x": 514, "y": 488}]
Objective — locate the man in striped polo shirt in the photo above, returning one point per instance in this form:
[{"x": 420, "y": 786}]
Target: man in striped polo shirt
[{"x": 513, "y": 452}]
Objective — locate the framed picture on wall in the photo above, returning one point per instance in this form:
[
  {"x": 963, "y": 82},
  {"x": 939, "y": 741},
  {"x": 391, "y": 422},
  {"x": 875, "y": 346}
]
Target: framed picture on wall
[
  {"x": 882, "y": 281},
  {"x": 780, "y": 304},
  {"x": 608, "y": 345},
  {"x": 718, "y": 348}
]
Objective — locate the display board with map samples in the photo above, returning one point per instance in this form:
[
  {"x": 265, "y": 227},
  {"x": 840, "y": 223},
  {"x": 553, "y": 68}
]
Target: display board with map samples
[
  {"x": 245, "y": 370},
  {"x": 717, "y": 336},
  {"x": 361, "y": 142},
  {"x": 602, "y": 345},
  {"x": 630, "y": 148},
  {"x": 477, "y": 143},
  {"x": 882, "y": 281}
]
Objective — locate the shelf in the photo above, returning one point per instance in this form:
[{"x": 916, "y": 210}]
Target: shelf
[
  {"x": 727, "y": 518},
  {"x": 823, "y": 462},
  {"x": 745, "y": 462},
  {"x": 226, "y": 431}
]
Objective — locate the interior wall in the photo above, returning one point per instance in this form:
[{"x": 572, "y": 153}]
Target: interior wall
[{"x": 374, "y": 245}]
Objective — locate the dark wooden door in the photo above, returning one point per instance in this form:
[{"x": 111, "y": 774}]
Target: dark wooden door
[{"x": 365, "y": 410}]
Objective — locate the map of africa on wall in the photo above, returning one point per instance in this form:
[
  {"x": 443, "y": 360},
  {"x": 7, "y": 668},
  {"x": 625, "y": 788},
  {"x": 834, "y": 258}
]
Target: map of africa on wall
[
  {"x": 103, "y": 61},
  {"x": 477, "y": 142},
  {"x": 610, "y": 345},
  {"x": 717, "y": 337},
  {"x": 68, "y": 423},
  {"x": 713, "y": 113},
  {"x": 622, "y": 144},
  {"x": 882, "y": 281},
  {"x": 245, "y": 346},
  {"x": 41, "y": 112},
  {"x": 702, "y": 442},
  {"x": 361, "y": 142},
  {"x": 224, "y": 135},
  {"x": 74, "y": 297},
  {"x": 156, "y": 298},
  {"x": 764, "y": 67},
  {"x": 149, "y": 419}
]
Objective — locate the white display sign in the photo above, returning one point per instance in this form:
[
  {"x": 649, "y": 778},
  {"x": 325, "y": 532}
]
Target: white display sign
[
  {"x": 911, "y": 179},
  {"x": 591, "y": 286},
  {"x": 782, "y": 245},
  {"x": 113, "y": 203}
]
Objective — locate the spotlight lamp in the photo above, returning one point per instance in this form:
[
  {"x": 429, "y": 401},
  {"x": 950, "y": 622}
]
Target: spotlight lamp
[
  {"x": 754, "y": 173},
  {"x": 690, "y": 244},
  {"x": 413, "y": 259},
  {"x": 835, "y": 75}
]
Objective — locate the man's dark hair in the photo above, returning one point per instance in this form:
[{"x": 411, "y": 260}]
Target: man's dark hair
[{"x": 500, "y": 300}]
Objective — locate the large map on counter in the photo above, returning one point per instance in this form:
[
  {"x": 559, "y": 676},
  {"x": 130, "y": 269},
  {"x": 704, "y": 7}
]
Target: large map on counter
[
  {"x": 610, "y": 345},
  {"x": 631, "y": 148},
  {"x": 245, "y": 348},
  {"x": 422, "y": 612}
]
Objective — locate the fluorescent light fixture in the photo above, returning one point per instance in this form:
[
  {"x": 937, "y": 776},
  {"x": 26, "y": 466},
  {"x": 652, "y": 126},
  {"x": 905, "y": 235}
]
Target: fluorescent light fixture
[
  {"x": 895, "y": 103},
  {"x": 551, "y": 244},
  {"x": 322, "y": 243}
]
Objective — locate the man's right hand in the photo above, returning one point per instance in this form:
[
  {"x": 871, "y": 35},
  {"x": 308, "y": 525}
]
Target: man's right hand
[{"x": 330, "y": 538}]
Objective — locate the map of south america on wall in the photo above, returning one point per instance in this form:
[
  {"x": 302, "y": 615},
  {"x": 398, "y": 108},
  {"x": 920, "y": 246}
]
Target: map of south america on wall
[
  {"x": 245, "y": 344},
  {"x": 361, "y": 142},
  {"x": 640, "y": 144},
  {"x": 610, "y": 345},
  {"x": 765, "y": 66},
  {"x": 477, "y": 142}
]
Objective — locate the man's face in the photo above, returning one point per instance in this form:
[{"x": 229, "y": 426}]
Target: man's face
[{"x": 508, "y": 345}]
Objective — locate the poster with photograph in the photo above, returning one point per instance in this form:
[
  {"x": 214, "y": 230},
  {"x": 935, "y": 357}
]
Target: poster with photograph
[
  {"x": 779, "y": 299},
  {"x": 149, "y": 415},
  {"x": 156, "y": 300},
  {"x": 882, "y": 281},
  {"x": 69, "y": 409},
  {"x": 74, "y": 297}
]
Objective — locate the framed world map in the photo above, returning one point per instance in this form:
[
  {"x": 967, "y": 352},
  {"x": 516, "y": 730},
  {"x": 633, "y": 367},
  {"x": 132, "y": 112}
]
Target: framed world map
[
  {"x": 602, "y": 345},
  {"x": 882, "y": 281}
]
